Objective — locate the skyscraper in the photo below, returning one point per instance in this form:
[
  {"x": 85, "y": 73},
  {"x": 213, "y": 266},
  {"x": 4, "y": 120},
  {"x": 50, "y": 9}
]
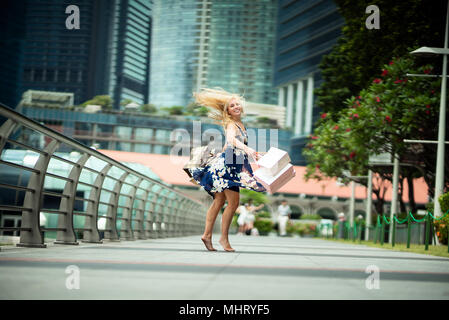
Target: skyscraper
[
  {"x": 207, "y": 43},
  {"x": 12, "y": 42},
  {"x": 55, "y": 57},
  {"x": 108, "y": 54},
  {"x": 306, "y": 30},
  {"x": 129, "y": 51},
  {"x": 241, "y": 51}
]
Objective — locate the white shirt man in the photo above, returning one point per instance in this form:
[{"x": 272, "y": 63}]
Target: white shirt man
[{"x": 284, "y": 212}]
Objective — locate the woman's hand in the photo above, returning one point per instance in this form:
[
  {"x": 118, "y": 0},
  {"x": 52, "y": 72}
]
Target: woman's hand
[{"x": 252, "y": 153}]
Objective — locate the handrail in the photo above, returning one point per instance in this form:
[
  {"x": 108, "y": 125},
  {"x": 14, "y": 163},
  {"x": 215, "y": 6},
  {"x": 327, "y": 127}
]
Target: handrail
[
  {"x": 32, "y": 124},
  {"x": 159, "y": 220}
]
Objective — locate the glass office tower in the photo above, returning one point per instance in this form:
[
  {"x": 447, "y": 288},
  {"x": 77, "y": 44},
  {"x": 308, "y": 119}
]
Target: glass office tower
[
  {"x": 129, "y": 49},
  {"x": 210, "y": 43},
  {"x": 56, "y": 58},
  {"x": 12, "y": 41},
  {"x": 306, "y": 30},
  {"x": 241, "y": 50},
  {"x": 178, "y": 31}
]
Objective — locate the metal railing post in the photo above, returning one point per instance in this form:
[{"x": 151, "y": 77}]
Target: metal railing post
[
  {"x": 148, "y": 220},
  {"x": 126, "y": 231},
  {"x": 111, "y": 232},
  {"x": 409, "y": 229},
  {"x": 91, "y": 233},
  {"x": 182, "y": 216},
  {"x": 66, "y": 233},
  {"x": 157, "y": 215},
  {"x": 34, "y": 201},
  {"x": 139, "y": 231},
  {"x": 177, "y": 217}
]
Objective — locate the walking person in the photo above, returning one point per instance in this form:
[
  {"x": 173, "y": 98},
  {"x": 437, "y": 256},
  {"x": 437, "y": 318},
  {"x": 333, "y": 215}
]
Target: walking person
[
  {"x": 230, "y": 170},
  {"x": 241, "y": 220},
  {"x": 284, "y": 213},
  {"x": 251, "y": 217}
]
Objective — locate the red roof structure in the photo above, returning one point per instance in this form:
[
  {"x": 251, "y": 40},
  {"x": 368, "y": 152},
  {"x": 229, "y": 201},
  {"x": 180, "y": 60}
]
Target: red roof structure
[{"x": 169, "y": 169}]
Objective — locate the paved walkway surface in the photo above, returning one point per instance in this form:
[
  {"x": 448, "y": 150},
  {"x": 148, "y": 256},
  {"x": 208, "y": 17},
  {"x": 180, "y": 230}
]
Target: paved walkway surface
[{"x": 180, "y": 268}]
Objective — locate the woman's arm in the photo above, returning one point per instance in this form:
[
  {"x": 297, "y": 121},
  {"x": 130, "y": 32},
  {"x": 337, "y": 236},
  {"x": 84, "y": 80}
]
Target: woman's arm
[{"x": 231, "y": 133}]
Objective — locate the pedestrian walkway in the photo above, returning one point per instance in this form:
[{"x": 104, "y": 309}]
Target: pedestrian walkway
[{"x": 180, "y": 268}]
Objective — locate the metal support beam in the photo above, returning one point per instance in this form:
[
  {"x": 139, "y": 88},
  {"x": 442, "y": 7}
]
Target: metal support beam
[
  {"x": 65, "y": 221},
  {"x": 91, "y": 234},
  {"x": 34, "y": 200}
]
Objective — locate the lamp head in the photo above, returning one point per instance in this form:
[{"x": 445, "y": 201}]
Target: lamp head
[{"x": 429, "y": 52}]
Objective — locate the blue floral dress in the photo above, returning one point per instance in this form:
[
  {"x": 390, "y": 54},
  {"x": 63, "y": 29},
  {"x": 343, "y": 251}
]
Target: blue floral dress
[{"x": 228, "y": 170}]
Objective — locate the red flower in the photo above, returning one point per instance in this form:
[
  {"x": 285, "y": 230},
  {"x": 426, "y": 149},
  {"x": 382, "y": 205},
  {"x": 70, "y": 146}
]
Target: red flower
[
  {"x": 428, "y": 111},
  {"x": 352, "y": 155},
  {"x": 317, "y": 166},
  {"x": 323, "y": 115},
  {"x": 432, "y": 92},
  {"x": 336, "y": 127},
  {"x": 426, "y": 71},
  {"x": 377, "y": 99},
  {"x": 391, "y": 62},
  {"x": 377, "y": 80},
  {"x": 398, "y": 81},
  {"x": 314, "y": 137},
  {"x": 428, "y": 106},
  {"x": 348, "y": 129},
  {"x": 359, "y": 97},
  {"x": 355, "y": 115},
  {"x": 388, "y": 118},
  {"x": 384, "y": 72}
]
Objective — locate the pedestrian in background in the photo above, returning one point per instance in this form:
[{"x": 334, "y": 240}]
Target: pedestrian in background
[{"x": 284, "y": 213}]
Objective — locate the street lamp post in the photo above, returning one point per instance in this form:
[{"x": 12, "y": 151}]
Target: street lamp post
[{"x": 439, "y": 174}]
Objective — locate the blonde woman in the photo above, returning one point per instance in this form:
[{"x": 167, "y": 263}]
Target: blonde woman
[{"x": 230, "y": 170}]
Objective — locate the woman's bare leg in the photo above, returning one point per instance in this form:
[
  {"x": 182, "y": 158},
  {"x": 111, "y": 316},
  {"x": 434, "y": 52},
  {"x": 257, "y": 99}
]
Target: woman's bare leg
[
  {"x": 211, "y": 216},
  {"x": 233, "y": 199}
]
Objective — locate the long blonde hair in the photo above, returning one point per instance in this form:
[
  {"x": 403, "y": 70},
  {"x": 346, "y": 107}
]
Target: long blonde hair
[{"x": 217, "y": 101}]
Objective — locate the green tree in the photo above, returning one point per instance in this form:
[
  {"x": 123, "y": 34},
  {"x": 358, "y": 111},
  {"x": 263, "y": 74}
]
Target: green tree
[
  {"x": 148, "y": 108},
  {"x": 102, "y": 100},
  {"x": 360, "y": 52},
  {"x": 174, "y": 110},
  {"x": 196, "y": 110},
  {"x": 125, "y": 102},
  {"x": 394, "y": 107}
]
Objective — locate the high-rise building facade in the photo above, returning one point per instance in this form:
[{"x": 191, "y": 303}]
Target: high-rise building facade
[
  {"x": 209, "y": 43},
  {"x": 241, "y": 50},
  {"x": 306, "y": 30},
  {"x": 129, "y": 51},
  {"x": 12, "y": 42},
  {"x": 177, "y": 30},
  {"x": 57, "y": 58},
  {"x": 109, "y": 54}
]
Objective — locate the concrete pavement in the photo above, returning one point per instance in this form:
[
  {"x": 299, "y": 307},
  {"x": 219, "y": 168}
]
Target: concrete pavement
[{"x": 180, "y": 268}]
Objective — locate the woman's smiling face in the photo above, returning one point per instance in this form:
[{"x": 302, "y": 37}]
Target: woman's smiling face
[{"x": 234, "y": 108}]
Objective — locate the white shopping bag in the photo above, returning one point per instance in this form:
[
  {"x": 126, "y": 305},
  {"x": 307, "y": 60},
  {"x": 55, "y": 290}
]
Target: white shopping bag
[{"x": 273, "y": 161}]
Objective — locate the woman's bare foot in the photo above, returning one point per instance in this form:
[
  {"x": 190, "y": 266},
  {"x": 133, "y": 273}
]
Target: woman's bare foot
[
  {"x": 208, "y": 243},
  {"x": 226, "y": 246}
]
